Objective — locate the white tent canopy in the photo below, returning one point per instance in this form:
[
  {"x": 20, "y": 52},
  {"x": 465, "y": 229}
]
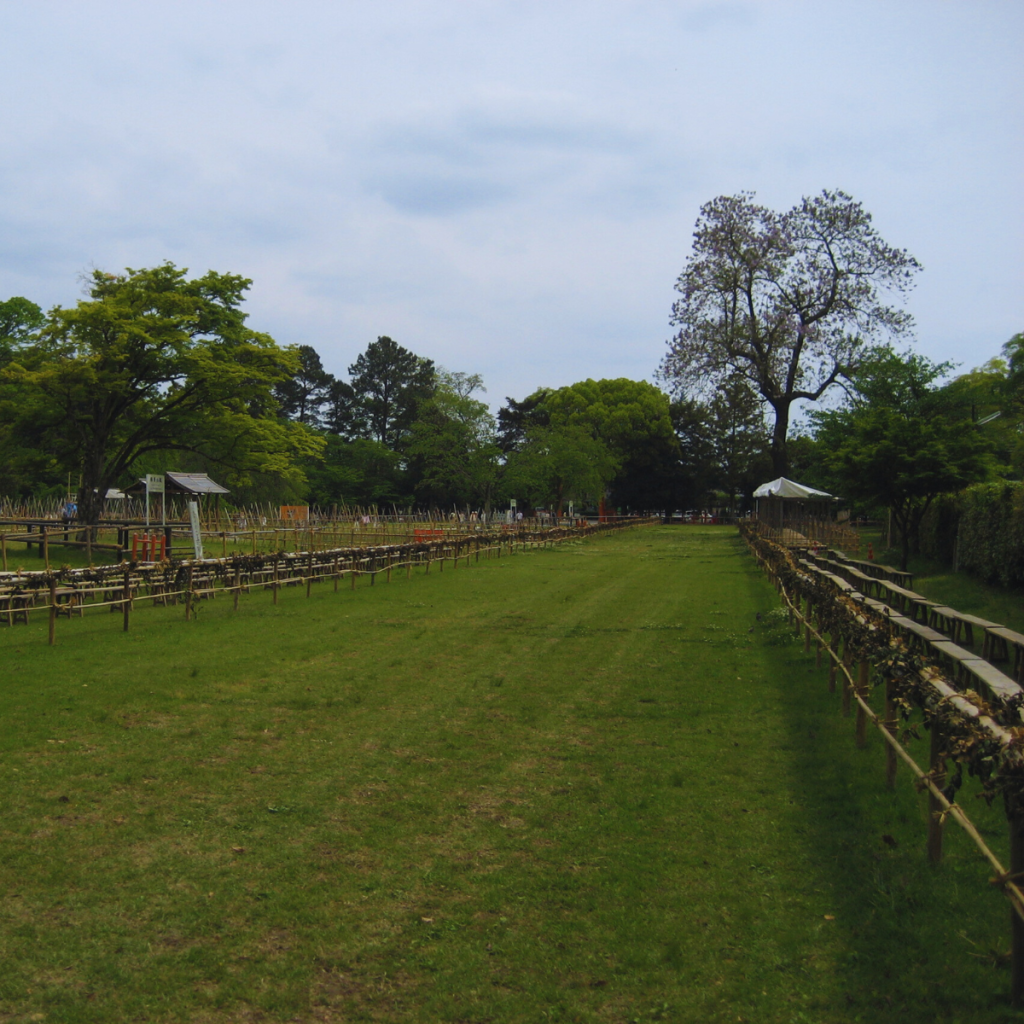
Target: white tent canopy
[{"x": 783, "y": 488}]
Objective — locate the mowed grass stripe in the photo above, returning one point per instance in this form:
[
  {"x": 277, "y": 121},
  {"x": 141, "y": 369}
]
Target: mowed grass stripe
[{"x": 585, "y": 784}]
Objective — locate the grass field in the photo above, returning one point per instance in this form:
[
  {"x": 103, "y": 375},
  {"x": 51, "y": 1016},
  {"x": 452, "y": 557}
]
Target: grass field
[{"x": 588, "y": 784}]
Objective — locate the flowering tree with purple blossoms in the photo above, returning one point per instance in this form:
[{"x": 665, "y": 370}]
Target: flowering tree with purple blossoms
[{"x": 784, "y": 301}]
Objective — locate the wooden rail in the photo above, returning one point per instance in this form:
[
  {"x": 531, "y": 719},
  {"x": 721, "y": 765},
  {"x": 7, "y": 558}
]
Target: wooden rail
[
  {"x": 968, "y": 705},
  {"x": 71, "y": 593}
]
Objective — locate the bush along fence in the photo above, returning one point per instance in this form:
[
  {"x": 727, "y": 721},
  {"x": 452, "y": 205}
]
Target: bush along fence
[
  {"x": 972, "y": 711},
  {"x": 979, "y": 530},
  {"x": 69, "y": 593}
]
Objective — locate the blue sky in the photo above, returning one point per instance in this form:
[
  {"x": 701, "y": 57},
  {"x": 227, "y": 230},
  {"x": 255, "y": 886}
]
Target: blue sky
[{"x": 507, "y": 188}]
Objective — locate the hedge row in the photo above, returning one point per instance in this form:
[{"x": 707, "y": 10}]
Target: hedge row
[{"x": 982, "y": 528}]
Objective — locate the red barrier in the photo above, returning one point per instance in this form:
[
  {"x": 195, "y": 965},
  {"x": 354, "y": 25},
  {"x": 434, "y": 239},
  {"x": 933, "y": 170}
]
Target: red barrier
[
  {"x": 152, "y": 549},
  {"x": 424, "y": 535}
]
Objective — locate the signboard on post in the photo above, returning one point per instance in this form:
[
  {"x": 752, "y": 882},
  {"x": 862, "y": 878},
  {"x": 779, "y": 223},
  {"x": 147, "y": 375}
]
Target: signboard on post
[
  {"x": 197, "y": 537},
  {"x": 155, "y": 485}
]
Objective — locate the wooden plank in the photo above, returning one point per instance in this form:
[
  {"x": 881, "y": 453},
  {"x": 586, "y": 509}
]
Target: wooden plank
[
  {"x": 954, "y": 656},
  {"x": 997, "y": 685}
]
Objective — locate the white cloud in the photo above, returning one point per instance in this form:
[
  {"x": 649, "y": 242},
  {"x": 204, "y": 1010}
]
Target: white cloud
[{"x": 507, "y": 188}]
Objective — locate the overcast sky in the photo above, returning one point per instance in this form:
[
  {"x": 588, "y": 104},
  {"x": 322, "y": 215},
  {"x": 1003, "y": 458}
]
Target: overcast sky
[{"x": 507, "y": 188}]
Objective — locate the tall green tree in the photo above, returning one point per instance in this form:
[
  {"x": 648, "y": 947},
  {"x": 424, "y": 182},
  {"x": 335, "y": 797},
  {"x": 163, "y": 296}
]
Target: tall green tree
[
  {"x": 632, "y": 419},
  {"x": 785, "y": 301},
  {"x": 901, "y": 442},
  {"x": 515, "y": 419},
  {"x": 20, "y": 318},
  {"x": 557, "y": 465},
  {"x": 302, "y": 396},
  {"x": 357, "y": 473},
  {"x": 389, "y": 383},
  {"x": 698, "y": 471},
  {"x": 451, "y": 448},
  {"x": 739, "y": 438},
  {"x": 154, "y": 361},
  {"x": 342, "y": 412}
]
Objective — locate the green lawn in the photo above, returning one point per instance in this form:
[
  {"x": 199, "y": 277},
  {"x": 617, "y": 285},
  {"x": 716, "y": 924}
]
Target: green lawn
[{"x": 587, "y": 784}]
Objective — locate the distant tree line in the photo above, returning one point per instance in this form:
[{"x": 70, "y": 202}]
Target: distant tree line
[{"x": 155, "y": 370}]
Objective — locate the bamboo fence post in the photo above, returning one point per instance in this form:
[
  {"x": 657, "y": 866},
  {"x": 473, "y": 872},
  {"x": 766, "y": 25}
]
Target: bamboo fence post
[
  {"x": 309, "y": 572},
  {"x": 938, "y": 775},
  {"x": 863, "y": 670},
  {"x": 238, "y": 583},
  {"x": 335, "y": 573},
  {"x": 188, "y": 594},
  {"x": 126, "y": 603},
  {"x": 891, "y": 760},
  {"x": 273, "y": 585},
  {"x": 53, "y": 611},
  {"x": 254, "y": 541},
  {"x": 223, "y": 543},
  {"x": 1015, "y": 819},
  {"x": 820, "y": 644},
  {"x": 847, "y": 662},
  {"x": 3, "y": 548},
  {"x": 46, "y": 547}
]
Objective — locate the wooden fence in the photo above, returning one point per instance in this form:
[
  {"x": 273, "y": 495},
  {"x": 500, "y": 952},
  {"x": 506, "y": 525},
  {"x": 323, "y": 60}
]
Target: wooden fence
[
  {"x": 802, "y": 532},
  {"x": 70, "y": 593},
  {"x": 123, "y": 538},
  {"x": 973, "y": 711}
]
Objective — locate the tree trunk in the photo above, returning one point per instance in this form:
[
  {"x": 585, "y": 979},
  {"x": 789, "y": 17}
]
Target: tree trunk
[
  {"x": 780, "y": 456},
  {"x": 902, "y": 519},
  {"x": 91, "y": 496}
]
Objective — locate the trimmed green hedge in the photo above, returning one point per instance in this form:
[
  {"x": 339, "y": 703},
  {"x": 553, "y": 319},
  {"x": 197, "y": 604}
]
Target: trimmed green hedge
[
  {"x": 937, "y": 535},
  {"x": 990, "y": 521}
]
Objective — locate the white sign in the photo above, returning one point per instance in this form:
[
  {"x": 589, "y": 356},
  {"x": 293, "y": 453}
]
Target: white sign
[
  {"x": 512, "y": 503},
  {"x": 197, "y": 537},
  {"x": 155, "y": 485}
]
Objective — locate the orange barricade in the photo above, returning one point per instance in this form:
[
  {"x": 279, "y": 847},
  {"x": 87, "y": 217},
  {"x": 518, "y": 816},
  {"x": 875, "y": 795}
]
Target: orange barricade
[
  {"x": 152, "y": 549},
  {"x": 422, "y": 535}
]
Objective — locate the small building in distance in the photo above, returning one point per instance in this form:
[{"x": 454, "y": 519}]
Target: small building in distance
[
  {"x": 192, "y": 484},
  {"x": 785, "y": 504},
  {"x": 196, "y": 486}
]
